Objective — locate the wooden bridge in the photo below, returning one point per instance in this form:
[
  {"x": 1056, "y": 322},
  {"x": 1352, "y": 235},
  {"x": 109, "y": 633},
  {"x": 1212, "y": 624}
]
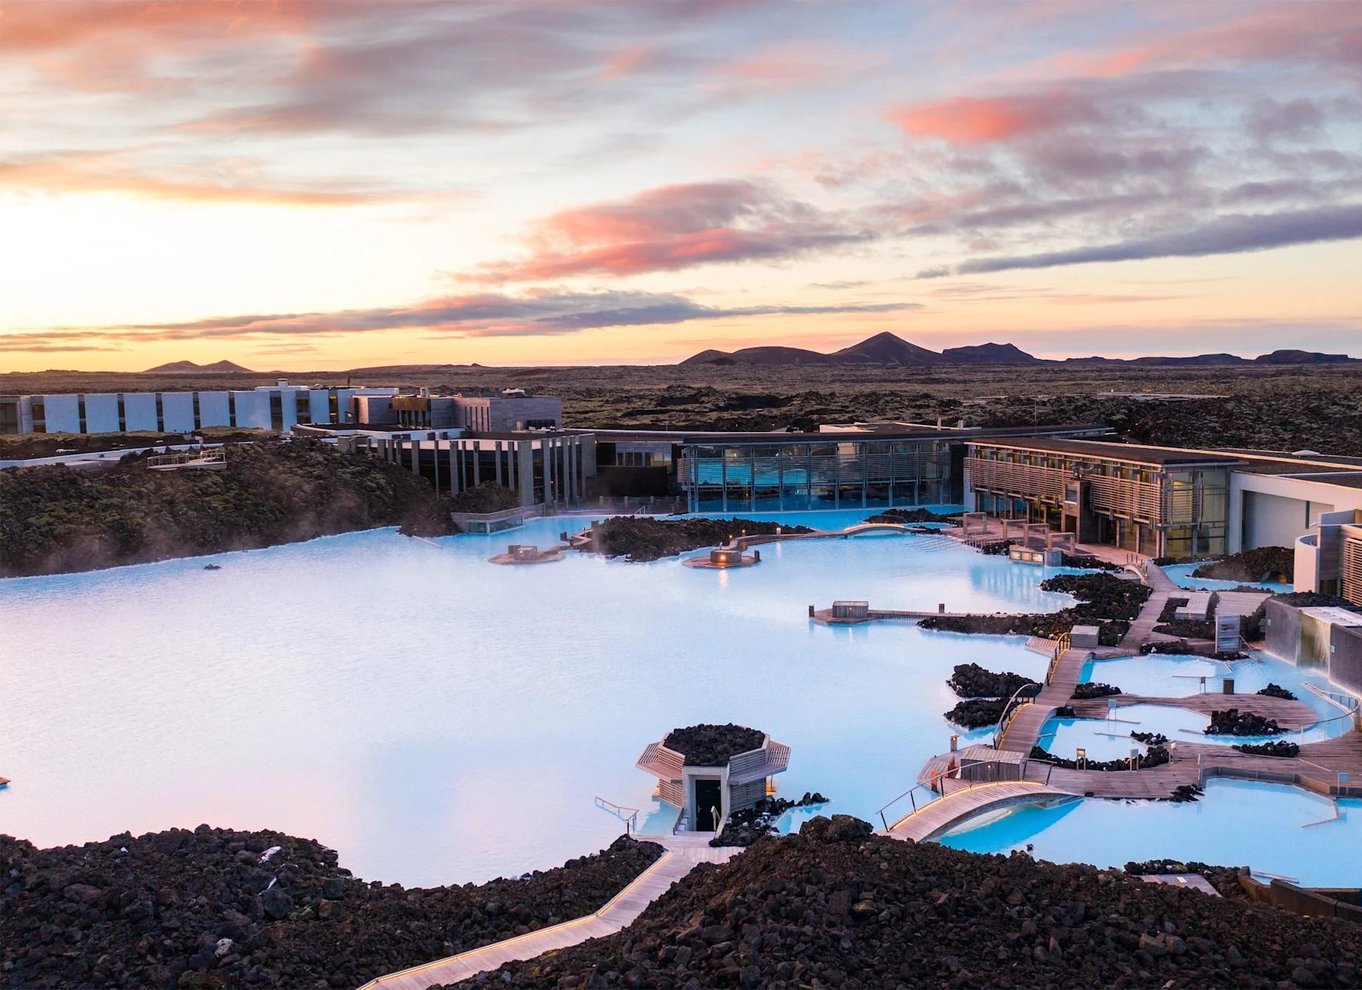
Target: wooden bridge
[
  {"x": 682, "y": 855},
  {"x": 957, "y": 806}
]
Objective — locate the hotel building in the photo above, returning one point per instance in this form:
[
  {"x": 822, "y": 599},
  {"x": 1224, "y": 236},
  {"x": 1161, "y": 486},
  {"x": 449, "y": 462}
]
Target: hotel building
[
  {"x": 1159, "y": 501},
  {"x": 277, "y": 407}
]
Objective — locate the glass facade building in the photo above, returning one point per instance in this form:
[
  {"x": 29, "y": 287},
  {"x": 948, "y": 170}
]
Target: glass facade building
[
  {"x": 1155, "y": 501},
  {"x": 814, "y": 471}
]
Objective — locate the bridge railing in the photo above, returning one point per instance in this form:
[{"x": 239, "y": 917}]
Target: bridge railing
[
  {"x": 627, "y": 815},
  {"x": 1062, "y": 645},
  {"x": 1014, "y": 704},
  {"x": 960, "y": 783}
]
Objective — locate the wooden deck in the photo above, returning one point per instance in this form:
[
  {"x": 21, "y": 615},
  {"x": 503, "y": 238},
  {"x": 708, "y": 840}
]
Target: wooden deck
[
  {"x": 825, "y": 616},
  {"x": 1023, "y": 731},
  {"x": 1316, "y": 769},
  {"x": 1289, "y": 714},
  {"x": 961, "y": 805},
  {"x": 682, "y": 856}
]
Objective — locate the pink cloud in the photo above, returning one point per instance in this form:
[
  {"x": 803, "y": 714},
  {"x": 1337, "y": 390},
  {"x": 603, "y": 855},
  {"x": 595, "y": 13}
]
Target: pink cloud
[
  {"x": 673, "y": 227},
  {"x": 986, "y": 120}
]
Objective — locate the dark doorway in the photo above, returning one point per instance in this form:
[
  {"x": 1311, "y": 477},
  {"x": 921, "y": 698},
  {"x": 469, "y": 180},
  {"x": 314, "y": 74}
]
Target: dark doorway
[{"x": 707, "y": 801}]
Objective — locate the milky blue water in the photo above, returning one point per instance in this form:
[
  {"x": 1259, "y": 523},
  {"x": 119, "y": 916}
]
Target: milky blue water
[
  {"x": 1181, "y": 575},
  {"x": 1177, "y": 675},
  {"x": 1236, "y": 823},
  {"x": 439, "y": 718}
]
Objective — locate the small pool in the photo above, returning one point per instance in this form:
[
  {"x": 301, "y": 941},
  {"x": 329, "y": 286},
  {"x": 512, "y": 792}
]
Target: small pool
[
  {"x": 1180, "y": 676},
  {"x": 1181, "y": 575},
  {"x": 1158, "y": 675},
  {"x": 1236, "y": 823},
  {"x": 1109, "y": 739}
]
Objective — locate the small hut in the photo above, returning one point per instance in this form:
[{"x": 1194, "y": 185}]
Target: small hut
[{"x": 711, "y": 771}]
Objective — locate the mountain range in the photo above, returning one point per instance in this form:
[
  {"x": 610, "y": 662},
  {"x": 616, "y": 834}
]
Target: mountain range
[{"x": 890, "y": 349}]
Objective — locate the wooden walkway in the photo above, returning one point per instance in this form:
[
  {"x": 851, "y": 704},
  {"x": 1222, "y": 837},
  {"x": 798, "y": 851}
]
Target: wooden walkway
[
  {"x": 1288, "y": 714},
  {"x": 1142, "y": 629},
  {"x": 683, "y": 854},
  {"x": 1316, "y": 769},
  {"x": 825, "y": 616},
  {"x": 958, "y": 806},
  {"x": 1023, "y": 731}
]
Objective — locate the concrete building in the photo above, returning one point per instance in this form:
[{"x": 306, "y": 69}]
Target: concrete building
[
  {"x": 1329, "y": 557},
  {"x": 277, "y": 407},
  {"x": 509, "y": 411},
  {"x": 1326, "y": 638},
  {"x": 553, "y": 469},
  {"x": 701, "y": 792}
]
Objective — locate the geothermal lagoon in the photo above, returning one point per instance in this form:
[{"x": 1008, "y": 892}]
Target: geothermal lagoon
[{"x": 440, "y": 719}]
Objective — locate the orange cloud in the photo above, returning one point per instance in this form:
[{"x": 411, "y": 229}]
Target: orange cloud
[{"x": 984, "y": 120}]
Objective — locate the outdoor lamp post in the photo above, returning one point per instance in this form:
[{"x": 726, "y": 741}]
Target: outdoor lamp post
[{"x": 1082, "y": 758}]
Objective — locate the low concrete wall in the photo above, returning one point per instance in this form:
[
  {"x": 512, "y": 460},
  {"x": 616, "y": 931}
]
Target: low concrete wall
[
  {"x": 1282, "y": 631},
  {"x": 1345, "y": 658}
]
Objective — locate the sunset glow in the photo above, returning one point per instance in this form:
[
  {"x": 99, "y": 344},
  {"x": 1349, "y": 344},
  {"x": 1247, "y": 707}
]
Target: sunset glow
[{"x": 327, "y": 184}]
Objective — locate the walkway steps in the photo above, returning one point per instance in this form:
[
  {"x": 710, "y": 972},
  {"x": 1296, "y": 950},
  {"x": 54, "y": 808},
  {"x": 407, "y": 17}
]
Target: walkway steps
[
  {"x": 931, "y": 820},
  {"x": 681, "y": 857}
]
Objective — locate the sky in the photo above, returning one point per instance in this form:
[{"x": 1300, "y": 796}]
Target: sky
[{"x": 328, "y": 184}]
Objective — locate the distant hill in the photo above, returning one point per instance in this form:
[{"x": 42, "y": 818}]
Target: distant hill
[
  {"x": 989, "y": 353},
  {"x": 1301, "y": 357},
  {"x": 190, "y": 368},
  {"x": 886, "y": 348},
  {"x": 881, "y": 349},
  {"x": 1276, "y": 357},
  {"x": 762, "y": 355}
]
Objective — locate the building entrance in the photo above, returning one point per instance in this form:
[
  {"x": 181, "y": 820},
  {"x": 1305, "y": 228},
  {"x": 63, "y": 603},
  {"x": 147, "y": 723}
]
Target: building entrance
[{"x": 708, "y": 799}]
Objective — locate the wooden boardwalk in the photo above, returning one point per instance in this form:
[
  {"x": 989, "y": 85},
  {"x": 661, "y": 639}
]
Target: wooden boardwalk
[
  {"x": 958, "y": 806},
  {"x": 1289, "y": 715},
  {"x": 825, "y": 616},
  {"x": 683, "y": 854},
  {"x": 1316, "y": 769},
  {"x": 1023, "y": 731}
]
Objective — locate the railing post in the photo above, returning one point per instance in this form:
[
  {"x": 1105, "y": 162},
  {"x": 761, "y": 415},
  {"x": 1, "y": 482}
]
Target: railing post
[{"x": 883, "y": 821}]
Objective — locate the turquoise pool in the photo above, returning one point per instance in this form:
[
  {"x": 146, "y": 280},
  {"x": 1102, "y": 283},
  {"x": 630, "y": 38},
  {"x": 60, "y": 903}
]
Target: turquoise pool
[
  {"x": 441, "y": 719},
  {"x": 1181, "y": 575},
  {"x": 438, "y": 718},
  {"x": 1236, "y": 823}
]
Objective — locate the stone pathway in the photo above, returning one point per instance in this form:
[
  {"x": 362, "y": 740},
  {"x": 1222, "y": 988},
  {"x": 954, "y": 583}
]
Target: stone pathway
[{"x": 683, "y": 854}]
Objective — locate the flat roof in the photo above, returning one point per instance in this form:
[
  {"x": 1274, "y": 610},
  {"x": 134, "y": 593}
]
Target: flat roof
[
  {"x": 849, "y": 436},
  {"x": 1108, "y": 450},
  {"x": 1348, "y": 479},
  {"x": 1334, "y": 616}
]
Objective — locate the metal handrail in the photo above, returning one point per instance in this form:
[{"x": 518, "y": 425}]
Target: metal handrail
[
  {"x": 944, "y": 777},
  {"x": 618, "y": 810},
  {"x": 1005, "y": 721},
  {"x": 1062, "y": 645}
]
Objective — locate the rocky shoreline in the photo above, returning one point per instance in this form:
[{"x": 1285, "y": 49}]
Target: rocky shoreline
[
  {"x": 1104, "y": 600},
  {"x": 1256, "y": 565},
  {"x": 837, "y": 906},
  {"x": 641, "y": 539},
  {"x": 215, "y": 908}
]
